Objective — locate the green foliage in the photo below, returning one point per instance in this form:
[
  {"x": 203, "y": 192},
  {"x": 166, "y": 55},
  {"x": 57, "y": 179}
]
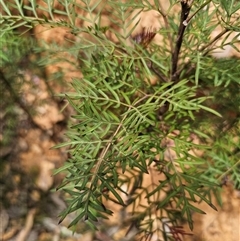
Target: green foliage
[{"x": 122, "y": 123}]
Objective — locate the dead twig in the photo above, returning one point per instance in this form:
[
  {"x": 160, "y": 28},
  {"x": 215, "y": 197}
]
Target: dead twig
[
  {"x": 9, "y": 234},
  {"x": 22, "y": 236}
]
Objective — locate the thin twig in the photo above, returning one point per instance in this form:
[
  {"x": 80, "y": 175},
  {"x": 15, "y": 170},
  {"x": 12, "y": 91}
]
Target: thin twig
[
  {"x": 205, "y": 47},
  {"x": 105, "y": 150},
  {"x": 165, "y": 19},
  {"x": 224, "y": 31},
  {"x": 199, "y": 9},
  {"x": 157, "y": 72}
]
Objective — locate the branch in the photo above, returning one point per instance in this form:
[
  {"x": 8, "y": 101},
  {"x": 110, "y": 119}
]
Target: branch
[
  {"x": 165, "y": 19},
  {"x": 157, "y": 72},
  {"x": 110, "y": 142},
  {"x": 186, "y": 6},
  {"x": 205, "y": 47},
  {"x": 200, "y": 8},
  {"x": 213, "y": 41},
  {"x": 105, "y": 150}
]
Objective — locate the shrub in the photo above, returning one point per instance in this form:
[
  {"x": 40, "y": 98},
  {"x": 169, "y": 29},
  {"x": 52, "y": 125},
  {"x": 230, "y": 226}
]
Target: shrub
[{"x": 179, "y": 131}]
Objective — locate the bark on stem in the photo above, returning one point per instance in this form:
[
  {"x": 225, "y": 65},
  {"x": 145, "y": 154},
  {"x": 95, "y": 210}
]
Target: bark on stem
[{"x": 186, "y": 6}]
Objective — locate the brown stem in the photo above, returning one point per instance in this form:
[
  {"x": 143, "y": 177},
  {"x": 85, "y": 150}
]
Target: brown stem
[{"x": 186, "y": 6}]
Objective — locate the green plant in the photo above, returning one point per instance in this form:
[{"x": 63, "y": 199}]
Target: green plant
[{"x": 122, "y": 123}]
